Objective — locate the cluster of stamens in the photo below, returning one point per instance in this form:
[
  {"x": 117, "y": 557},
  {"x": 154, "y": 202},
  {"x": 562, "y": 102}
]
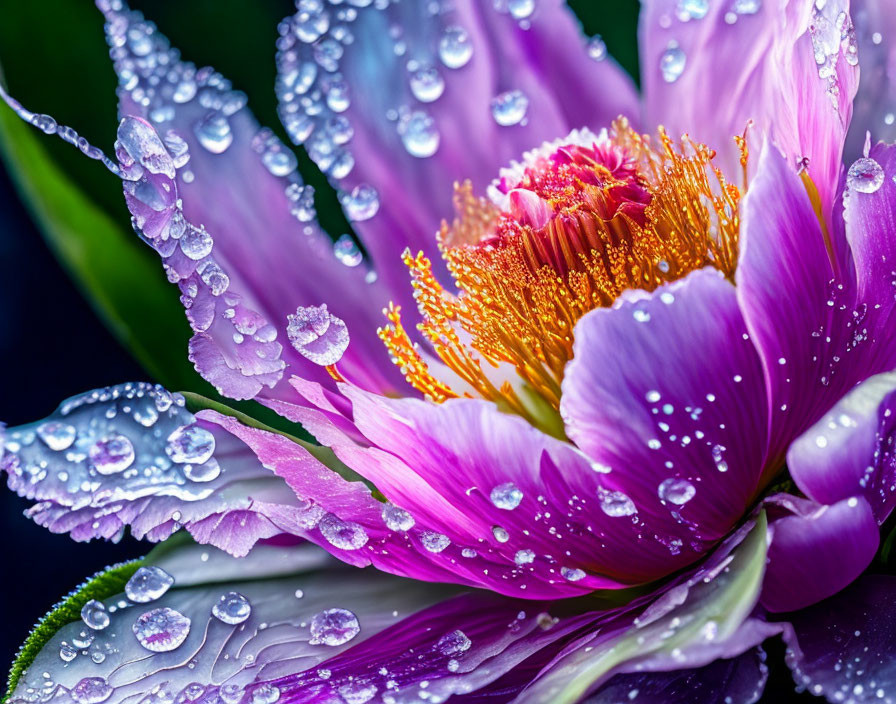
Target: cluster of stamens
[{"x": 574, "y": 229}]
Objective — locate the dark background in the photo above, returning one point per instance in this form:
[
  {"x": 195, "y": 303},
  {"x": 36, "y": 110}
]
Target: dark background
[{"x": 52, "y": 343}]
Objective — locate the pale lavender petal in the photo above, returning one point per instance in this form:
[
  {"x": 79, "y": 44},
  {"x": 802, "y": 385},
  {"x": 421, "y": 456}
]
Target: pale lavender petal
[
  {"x": 220, "y": 660},
  {"x": 815, "y": 551},
  {"x": 789, "y": 67},
  {"x": 132, "y": 455},
  {"x": 843, "y": 648},
  {"x": 874, "y": 108},
  {"x": 849, "y": 451},
  {"x": 665, "y": 389},
  {"x": 220, "y": 199},
  {"x": 740, "y": 680},
  {"x": 395, "y": 103}
]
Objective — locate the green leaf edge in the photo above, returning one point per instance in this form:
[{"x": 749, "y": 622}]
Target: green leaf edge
[{"x": 102, "y": 585}]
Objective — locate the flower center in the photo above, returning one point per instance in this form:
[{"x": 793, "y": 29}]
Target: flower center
[{"x": 565, "y": 232}]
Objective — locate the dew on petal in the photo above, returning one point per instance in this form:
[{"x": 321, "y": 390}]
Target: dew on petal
[
  {"x": 676, "y": 491},
  {"x": 91, "y": 690},
  {"x": 616, "y": 504},
  {"x": 427, "y": 84},
  {"x": 455, "y": 47},
  {"x": 190, "y": 443},
  {"x": 865, "y": 175},
  {"x": 95, "y": 615},
  {"x": 597, "y": 48},
  {"x": 434, "y": 542},
  {"x": 345, "y": 535},
  {"x": 509, "y": 108},
  {"x": 672, "y": 63},
  {"x": 506, "y": 496},
  {"x": 362, "y": 203},
  {"x": 232, "y": 608},
  {"x": 161, "y": 630},
  {"x": 112, "y": 455},
  {"x": 214, "y": 133},
  {"x": 418, "y": 134},
  {"x": 334, "y": 627},
  {"x": 572, "y": 574},
  {"x": 397, "y": 519},
  {"x": 57, "y": 436},
  {"x": 317, "y": 334},
  {"x": 524, "y": 557},
  {"x": 453, "y": 643},
  {"x": 148, "y": 584}
]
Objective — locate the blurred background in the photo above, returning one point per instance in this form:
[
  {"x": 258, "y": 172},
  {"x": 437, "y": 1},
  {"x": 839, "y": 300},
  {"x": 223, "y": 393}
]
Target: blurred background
[{"x": 53, "y": 341}]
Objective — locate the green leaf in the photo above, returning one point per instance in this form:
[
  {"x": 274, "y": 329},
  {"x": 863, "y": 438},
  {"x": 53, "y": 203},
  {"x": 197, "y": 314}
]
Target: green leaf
[
  {"x": 101, "y": 586},
  {"x": 124, "y": 283}
]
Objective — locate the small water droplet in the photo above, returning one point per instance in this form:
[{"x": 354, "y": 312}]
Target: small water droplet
[
  {"x": 94, "y": 615},
  {"x": 509, "y": 108},
  {"x": 615, "y": 503},
  {"x": 161, "y": 630},
  {"x": 361, "y": 204},
  {"x": 214, "y": 133},
  {"x": 91, "y": 690},
  {"x": 501, "y": 535},
  {"x": 419, "y": 134},
  {"x": 148, "y": 584},
  {"x": 676, "y": 491},
  {"x": 397, "y": 519},
  {"x": 572, "y": 574},
  {"x": 597, "y": 48},
  {"x": 347, "y": 251},
  {"x": 672, "y": 63},
  {"x": 865, "y": 175},
  {"x": 434, "y": 542},
  {"x": 524, "y": 557},
  {"x": 427, "y": 84},
  {"x": 506, "y": 496},
  {"x": 334, "y": 627},
  {"x": 57, "y": 436},
  {"x": 67, "y": 652},
  {"x": 345, "y": 535},
  {"x": 455, "y": 47},
  {"x": 232, "y": 608},
  {"x": 453, "y": 643}
]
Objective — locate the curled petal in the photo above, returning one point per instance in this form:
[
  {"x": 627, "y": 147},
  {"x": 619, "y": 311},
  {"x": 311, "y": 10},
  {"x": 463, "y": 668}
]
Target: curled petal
[
  {"x": 398, "y": 101},
  {"x": 849, "y": 451},
  {"x": 132, "y": 455},
  {"x": 816, "y": 550}
]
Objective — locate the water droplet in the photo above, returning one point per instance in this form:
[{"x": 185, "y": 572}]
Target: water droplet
[
  {"x": 672, "y": 63},
  {"x": 427, "y": 84},
  {"x": 317, "y": 334},
  {"x": 112, "y": 455},
  {"x": 509, "y": 108},
  {"x": 57, "y": 436},
  {"x": 718, "y": 458},
  {"x": 455, "y": 47},
  {"x": 418, "y": 134},
  {"x": 747, "y": 7},
  {"x": 214, "y": 133},
  {"x": 865, "y": 175},
  {"x": 453, "y": 643},
  {"x": 397, "y": 519},
  {"x": 67, "y": 652},
  {"x": 615, "y": 503},
  {"x": 344, "y": 535},
  {"x": 676, "y": 491},
  {"x": 140, "y": 140},
  {"x": 501, "y": 535},
  {"x": 597, "y": 48},
  {"x": 190, "y": 443},
  {"x": 347, "y": 251},
  {"x": 434, "y": 542},
  {"x": 205, "y": 472},
  {"x": 357, "y": 692},
  {"x": 161, "y": 630},
  {"x": 196, "y": 243},
  {"x": 91, "y": 690},
  {"x": 232, "y": 608},
  {"x": 148, "y": 584},
  {"x": 506, "y": 496},
  {"x": 265, "y": 694},
  {"x": 334, "y": 627},
  {"x": 94, "y": 615},
  {"x": 524, "y": 557},
  {"x": 572, "y": 574},
  {"x": 361, "y": 204},
  {"x": 692, "y": 9}
]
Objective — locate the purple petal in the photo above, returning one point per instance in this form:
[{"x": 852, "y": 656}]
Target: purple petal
[
  {"x": 816, "y": 550},
  {"x": 666, "y": 391},
  {"x": 849, "y": 451},
  {"x": 802, "y": 315},
  {"x": 874, "y": 108},
  {"x": 843, "y": 648},
  {"x": 131, "y": 455},
  {"x": 396, "y": 103},
  {"x": 221, "y": 201},
  {"x": 740, "y": 680},
  {"x": 791, "y": 68}
]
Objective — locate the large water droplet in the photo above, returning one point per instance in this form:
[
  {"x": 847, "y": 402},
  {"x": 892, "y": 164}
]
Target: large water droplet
[
  {"x": 524, "y": 557},
  {"x": 346, "y": 251},
  {"x": 67, "y": 652},
  {"x": 57, "y": 436},
  {"x": 397, "y": 518},
  {"x": 521, "y": 9},
  {"x": 361, "y": 204},
  {"x": 453, "y": 643},
  {"x": 266, "y": 694},
  {"x": 676, "y": 491},
  {"x": 232, "y": 608},
  {"x": 112, "y": 455},
  {"x": 434, "y": 542},
  {"x": 196, "y": 243},
  {"x": 597, "y": 48},
  {"x": 672, "y": 63},
  {"x": 501, "y": 535},
  {"x": 334, "y": 627},
  {"x": 692, "y": 9},
  {"x": 345, "y": 535},
  {"x": 190, "y": 443},
  {"x": 865, "y": 175},
  {"x": 615, "y": 503},
  {"x": 427, "y": 84},
  {"x": 455, "y": 47},
  {"x": 145, "y": 146},
  {"x": 148, "y": 584},
  {"x": 509, "y": 108},
  {"x": 91, "y": 690},
  {"x": 572, "y": 574},
  {"x": 214, "y": 133},
  {"x": 418, "y": 134},
  {"x": 161, "y": 630},
  {"x": 506, "y": 496},
  {"x": 94, "y": 615}
]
